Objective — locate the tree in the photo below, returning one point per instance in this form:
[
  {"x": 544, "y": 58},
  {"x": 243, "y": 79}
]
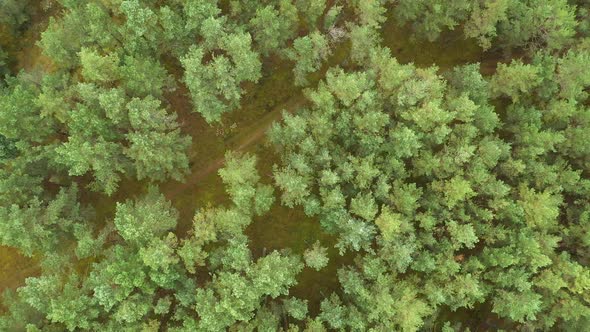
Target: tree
[
  {"x": 98, "y": 68},
  {"x": 214, "y": 84},
  {"x": 111, "y": 135},
  {"x": 308, "y": 52},
  {"x": 333, "y": 312},
  {"x": 370, "y": 13},
  {"x": 514, "y": 79},
  {"x": 14, "y": 16},
  {"x": 140, "y": 29},
  {"x": 484, "y": 21},
  {"x": 83, "y": 24},
  {"x": 41, "y": 226},
  {"x": 110, "y": 121},
  {"x": 235, "y": 297},
  {"x": 144, "y": 77},
  {"x": 156, "y": 145},
  {"x": 296, "y": 308},
  {"x": 363, "y": 38},
  {"x": 431, "y": 17},
  {"x": 220, "y": 77},
  {"x": 20, "y": 117},
  {"x": 241, "y": 179},
  {"x": 100, "y": 157},
  {"x": 14, "y": 13},
  {"x": 272, "y": 27},
  {"x": 7, "y": 148},
  {"x": 141, "y": 221},
  {"x": 311, "y": 10},
  {"x": 549, "y": 24},
  {"x": 316, "y": 257}
]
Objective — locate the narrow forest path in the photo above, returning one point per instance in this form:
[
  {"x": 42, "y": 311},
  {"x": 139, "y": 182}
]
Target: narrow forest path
[{"x": 241, "y": 142}]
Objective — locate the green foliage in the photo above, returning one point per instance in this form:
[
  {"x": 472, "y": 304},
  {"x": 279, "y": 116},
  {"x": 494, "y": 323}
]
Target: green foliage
[
  {"x": 14, "y": 13},
  {"x": 451, "y": 192},
  {"x": 98, "y": 68},
  {"x": 233, "y": 297},
  {"x": 363, "y": 38},
  {"x": 272, "y": 27},
  {"x": 450, "y": 206},
  {"x": 143, "y": 77},
  {"x": 4, "y": 62},
  {"x": 21, "y": 118},
  {"x": 157, "y": 147},
  {"x": 63, "y": 39},
  {"x": 41, "y": 226},
  {"x": 106, "y": 119},
  {"x": 296, "y": 308},
  {"x": 7, "y": 148},
  {"x": 333, "y": 312},
  {"x": 100, "y": 157},
  {"x": 138, "y": 222},
  {"x": 514, "y": 80},
  {"x": 152, "y": 146},
  {"x": 573, "y": 75},
  {"x": 311, "y": 10},
  {"x": 214, "y": 70},
  {"x": 484, "y": 20},
  {"x": 432, "y": 17},
  {"x": 517, "y": 306},
  {"x": 363, "y": 206},
  {"x": 146, "y": 271},
  {"x": 370, "y": 13},
  {"x": 316, "y": 257},
  {"x": 241, "y": 179},
  {"x": 549, "y": 24},
  {"x": 332, "y": 16},
  {"x": 308, "y": 53}
]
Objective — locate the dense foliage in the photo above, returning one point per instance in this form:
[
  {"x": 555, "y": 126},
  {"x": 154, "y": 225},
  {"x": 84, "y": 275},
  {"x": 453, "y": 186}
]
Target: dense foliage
[
  {"x": 139, "y": 274},
  {"x": 528, "y": 24},
  {"x": 453, "y": 202},
  {"x": 446, "y": 193}
]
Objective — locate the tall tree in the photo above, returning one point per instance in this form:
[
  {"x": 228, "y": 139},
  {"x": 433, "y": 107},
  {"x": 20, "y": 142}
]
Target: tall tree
[{"x": 308, "y": 53}]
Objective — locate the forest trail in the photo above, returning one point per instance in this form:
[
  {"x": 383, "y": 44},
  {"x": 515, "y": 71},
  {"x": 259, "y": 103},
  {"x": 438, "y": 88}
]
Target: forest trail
[{"x": 247, "y": 138}]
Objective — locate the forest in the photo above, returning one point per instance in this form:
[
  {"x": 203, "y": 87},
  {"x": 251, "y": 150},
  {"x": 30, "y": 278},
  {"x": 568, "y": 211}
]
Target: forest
[{"x": 294, "y": 165}]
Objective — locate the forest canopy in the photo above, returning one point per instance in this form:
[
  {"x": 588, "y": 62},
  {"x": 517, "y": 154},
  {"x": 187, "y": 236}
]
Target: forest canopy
[{"x": 295, "y": 165}]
